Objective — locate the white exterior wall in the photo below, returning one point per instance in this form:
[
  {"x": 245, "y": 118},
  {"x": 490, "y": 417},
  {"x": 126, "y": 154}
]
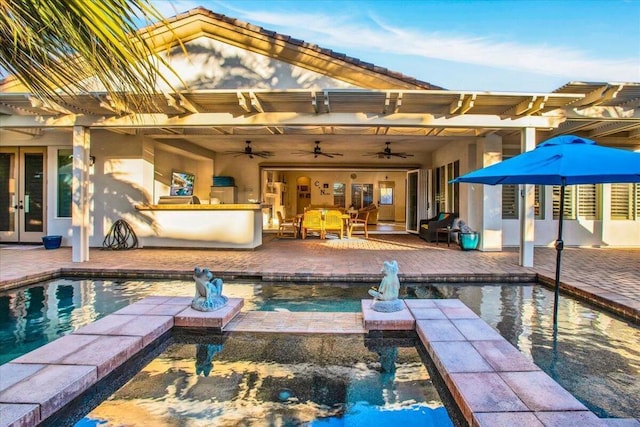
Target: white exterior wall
[{"x": 479, "y": 206}]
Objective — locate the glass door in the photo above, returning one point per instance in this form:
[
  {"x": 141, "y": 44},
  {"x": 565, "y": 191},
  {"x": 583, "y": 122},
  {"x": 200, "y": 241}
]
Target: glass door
[
  {"x": 361, "y": 195},
  {"x": 412, "y": 201},
  {"x": 419, "y": 198},
  {"x": 22, "y": 194}
]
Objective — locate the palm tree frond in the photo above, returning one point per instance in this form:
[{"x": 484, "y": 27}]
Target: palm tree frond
[{"x": 59, "y": 47}]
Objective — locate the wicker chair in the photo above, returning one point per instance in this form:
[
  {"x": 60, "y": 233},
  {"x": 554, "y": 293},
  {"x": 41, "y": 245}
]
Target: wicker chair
[
  {"x": 333, "y": 221},
  {"x": 429, "y": 227},
  {"x": 312, "y": 221}
]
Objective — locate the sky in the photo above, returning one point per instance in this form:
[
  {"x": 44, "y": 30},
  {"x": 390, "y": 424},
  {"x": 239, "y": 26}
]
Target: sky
[{"x": 499, "y": 46}]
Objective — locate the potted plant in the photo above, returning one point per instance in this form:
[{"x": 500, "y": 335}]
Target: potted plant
[
  {"x": 51, "y": 242},
  {"x": 467, "y": 237}
]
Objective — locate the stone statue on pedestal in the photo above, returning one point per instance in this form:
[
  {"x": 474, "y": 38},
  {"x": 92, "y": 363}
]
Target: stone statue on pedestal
[
  {"x": 208, "y": 291},
  {"x": 385, "y": 297}
]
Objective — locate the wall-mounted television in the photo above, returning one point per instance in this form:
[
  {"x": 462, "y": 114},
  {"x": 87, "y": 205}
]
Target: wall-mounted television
[{"x": 182, "y": 183}]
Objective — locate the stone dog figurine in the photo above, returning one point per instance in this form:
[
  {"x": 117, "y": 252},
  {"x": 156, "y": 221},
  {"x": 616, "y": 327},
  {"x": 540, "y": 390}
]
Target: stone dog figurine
[
  {"x": 208, "y": 292},
  {"x": 385, "y": 297}
]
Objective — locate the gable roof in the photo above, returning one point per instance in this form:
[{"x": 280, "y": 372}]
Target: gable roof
[{"x": 200, "y": 22}]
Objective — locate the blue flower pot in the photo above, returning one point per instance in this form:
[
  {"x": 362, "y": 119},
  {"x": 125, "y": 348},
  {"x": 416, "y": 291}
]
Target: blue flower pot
[
  {"x": 51, "y": 242},
  {"x": 468, "y": 241}
]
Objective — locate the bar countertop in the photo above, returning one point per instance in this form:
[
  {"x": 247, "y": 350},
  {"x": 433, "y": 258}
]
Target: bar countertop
[{"x": 205, "y": 207}]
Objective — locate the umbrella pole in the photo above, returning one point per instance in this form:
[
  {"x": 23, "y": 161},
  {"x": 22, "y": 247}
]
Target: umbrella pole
[{"x": 559, "y": 247}]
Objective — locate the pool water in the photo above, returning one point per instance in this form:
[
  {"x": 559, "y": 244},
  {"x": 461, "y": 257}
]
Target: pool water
[
  {"x": 594, "y": 355},
  {"x": 278, "y": 380}
]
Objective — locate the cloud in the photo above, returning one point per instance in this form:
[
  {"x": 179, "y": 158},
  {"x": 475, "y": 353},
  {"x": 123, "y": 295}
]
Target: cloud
[
  {"x": 374, "y": 35},
  {"x": 169, "y": 8}
]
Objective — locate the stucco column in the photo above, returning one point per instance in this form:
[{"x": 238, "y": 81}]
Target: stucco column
[
  {"x": 527, "y": 200},
  {"x": 80, "y": 220},
  {"x": 489, "y": 197}
]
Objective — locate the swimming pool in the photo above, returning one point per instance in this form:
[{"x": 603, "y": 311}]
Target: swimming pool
[
  {"x": 278, "y": 380},
  {"x": 595, "y": 355}
]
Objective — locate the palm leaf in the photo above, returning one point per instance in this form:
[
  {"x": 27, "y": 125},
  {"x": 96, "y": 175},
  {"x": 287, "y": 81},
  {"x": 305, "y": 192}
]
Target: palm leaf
[{"x": 59, "y": 47}]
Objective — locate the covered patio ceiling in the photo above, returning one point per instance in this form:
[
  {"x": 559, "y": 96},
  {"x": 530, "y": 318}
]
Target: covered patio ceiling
[{"x": 351, "y": 121}]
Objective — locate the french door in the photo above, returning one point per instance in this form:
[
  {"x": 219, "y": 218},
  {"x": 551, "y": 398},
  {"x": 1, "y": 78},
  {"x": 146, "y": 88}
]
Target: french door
[
  {"x": 418, "y": 198},
  {"x": 22, "y": 194}
]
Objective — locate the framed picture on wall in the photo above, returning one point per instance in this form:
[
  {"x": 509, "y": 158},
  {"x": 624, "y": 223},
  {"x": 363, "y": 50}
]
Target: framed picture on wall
[{"x": 304, "y": 188}]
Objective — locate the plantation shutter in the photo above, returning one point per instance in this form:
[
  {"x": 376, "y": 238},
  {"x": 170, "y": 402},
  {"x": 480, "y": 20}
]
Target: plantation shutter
[
  {"x": 637, "y": 196},
  {"x": 510, "y": 201},
  {"x": 588, "y": 201},
  {"x": 621, "y": 201},
  {"x": 538, "y": 205},
  {"x": 569, "y": 210}
]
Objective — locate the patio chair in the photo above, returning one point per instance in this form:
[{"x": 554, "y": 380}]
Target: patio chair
[
  {"x": 361, "y": 221},
  {"x": 287, "y": 225},
  {"x": 333, "y": 221},
  {"x": 312, "y": 221},
  {"x": 429, "y": 227}
]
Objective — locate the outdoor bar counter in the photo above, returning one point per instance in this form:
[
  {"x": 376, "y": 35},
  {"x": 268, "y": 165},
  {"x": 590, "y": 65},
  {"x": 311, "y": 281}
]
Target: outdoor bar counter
[{"x": 231, "y": 226}]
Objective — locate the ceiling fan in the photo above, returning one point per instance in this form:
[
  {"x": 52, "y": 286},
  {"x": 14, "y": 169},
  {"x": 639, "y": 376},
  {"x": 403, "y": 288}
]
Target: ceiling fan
[
  {"x": 388, "y": 153},
  {"x": 317, "y": 151},
  {"x": 248, "y": 150}
]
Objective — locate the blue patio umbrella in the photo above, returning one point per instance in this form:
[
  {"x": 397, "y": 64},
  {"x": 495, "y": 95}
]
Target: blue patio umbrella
[{"x": 563, "y": 160}]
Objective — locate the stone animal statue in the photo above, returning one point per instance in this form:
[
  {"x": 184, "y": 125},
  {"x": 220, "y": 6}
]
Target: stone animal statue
[
  {"x": 385, "y": 297},
  {"x": 208, "y": 291}
]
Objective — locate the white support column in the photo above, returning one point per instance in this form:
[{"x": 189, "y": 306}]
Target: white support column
[
  {"x": 527, "y": 201},
  {"x": 80, "y": 220},
  {"x": 489, "y": 197}
]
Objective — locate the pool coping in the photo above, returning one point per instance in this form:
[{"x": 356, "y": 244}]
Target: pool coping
[
  {"x": 619, "y": 305},
  {"x": 491, "y": 381}
]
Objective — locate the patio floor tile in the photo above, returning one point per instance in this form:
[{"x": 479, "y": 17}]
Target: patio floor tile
[
  {"x": 470, "y": 392},
  {"x": 458, "y": 356},
  {"x": 52, "y": 387},
  {"x": 476, "y": 329},
  {"x": 209, "y": 319},
  {"x": 540, "y": 392},
  {"x": 377, "y": 321},
  {"x": 570, "y": 419},
  {"x": 19, "y": 414},
  {"x": 502, "y": 356},
  {"x": 438, "y": 330},
  {"x": 506, "y": 419}
]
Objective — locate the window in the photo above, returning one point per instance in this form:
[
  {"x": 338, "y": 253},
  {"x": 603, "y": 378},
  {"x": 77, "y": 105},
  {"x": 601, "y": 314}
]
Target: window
[
  {"x": 361, "y": 195},
  {"x": 65, "y": 176},
  {"x": 510, "y": 204},
  {"x": 580, "y": 201},
  {"x": 338, "y": 194},
  {"x": 447, "y": 198},
  {"x": 386, "y": 193},
  {"x": 624, "y": 201}
]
